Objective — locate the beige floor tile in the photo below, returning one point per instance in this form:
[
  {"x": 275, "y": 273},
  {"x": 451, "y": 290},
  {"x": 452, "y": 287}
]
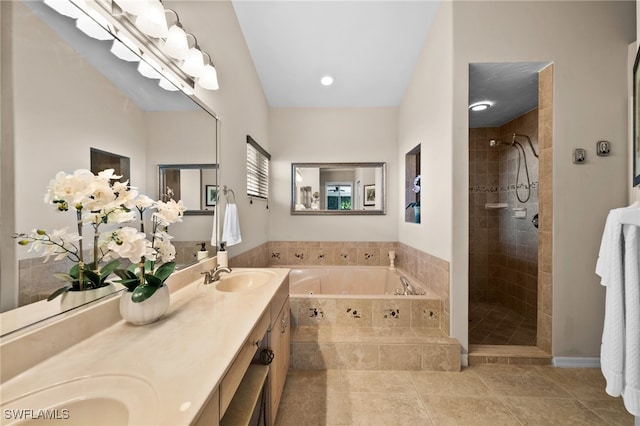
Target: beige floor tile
[
  {"x": 552, "y": 411},
  {"x": 468, "y": 411},
  {"x": 519, "y": 380},
  {"x": 387, "y": 409},
  {"x": 311, "y": 409},
  {"x": 611, "y": 410},
  {"x": 582, "y": 383},
  {"x": 376, "y": 381},
  {"x": 465, "y": 383}
]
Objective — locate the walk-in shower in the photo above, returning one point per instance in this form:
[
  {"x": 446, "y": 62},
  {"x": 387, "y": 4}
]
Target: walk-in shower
[{"x": 522, "y": 159}]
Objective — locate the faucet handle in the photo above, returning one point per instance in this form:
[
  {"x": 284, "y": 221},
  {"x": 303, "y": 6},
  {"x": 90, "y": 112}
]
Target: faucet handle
[{"x": 208, "y": 278}]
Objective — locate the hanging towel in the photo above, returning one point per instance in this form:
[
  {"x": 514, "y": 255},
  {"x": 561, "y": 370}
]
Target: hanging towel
[
  {"x": 618, "y": 266},
  {"x": 231, "y": 225}
]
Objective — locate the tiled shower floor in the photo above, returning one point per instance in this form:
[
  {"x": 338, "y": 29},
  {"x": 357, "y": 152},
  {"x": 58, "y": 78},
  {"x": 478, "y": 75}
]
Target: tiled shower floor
[{"x": 493, "y": 324}]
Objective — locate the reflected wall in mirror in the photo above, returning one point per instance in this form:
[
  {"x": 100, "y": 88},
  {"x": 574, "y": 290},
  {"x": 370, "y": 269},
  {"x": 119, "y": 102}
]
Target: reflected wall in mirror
[
  {"x": 195, "y": 184},
  {"x": 69, "y": 94},
  {"x": 338, "y": 188}
]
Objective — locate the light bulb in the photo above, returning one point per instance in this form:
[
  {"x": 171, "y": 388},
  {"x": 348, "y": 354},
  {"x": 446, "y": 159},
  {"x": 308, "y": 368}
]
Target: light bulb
[
  {"x": 124, "y": 51},
  {"x": 209, "y": 78},
  {"x": 194, "y": 64},
  {"x": 147, "y": 70},
  {"x": 92, "y": 28},
  {"x": 134, "y": 7},
  {"x": 176, "y": 44},
  {"x": 153, "y": 22}
]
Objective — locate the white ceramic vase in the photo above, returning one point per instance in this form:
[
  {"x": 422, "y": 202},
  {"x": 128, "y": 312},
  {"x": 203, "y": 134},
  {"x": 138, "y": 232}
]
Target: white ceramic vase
[
  {"x": 146, "y": 311},
  {"x": 72, "y": 299}
]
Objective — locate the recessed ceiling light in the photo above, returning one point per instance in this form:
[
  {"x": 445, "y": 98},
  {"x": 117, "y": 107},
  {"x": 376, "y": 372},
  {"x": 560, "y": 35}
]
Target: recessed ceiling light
[
  {"x": 326, "y": 80},
  {"x": 479, "y": 106}
]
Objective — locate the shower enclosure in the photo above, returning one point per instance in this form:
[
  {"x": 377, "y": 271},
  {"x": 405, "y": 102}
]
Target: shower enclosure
[{"x": 503, "y": 239}]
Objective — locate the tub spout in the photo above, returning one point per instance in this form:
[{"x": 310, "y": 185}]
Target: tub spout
[{"x": 408, "y": 288}]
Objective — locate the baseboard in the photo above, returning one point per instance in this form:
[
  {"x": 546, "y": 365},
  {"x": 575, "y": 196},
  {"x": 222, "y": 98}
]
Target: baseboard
[
  {"x": 576, "y": 362},
  {"x": 464, "y": 360}
]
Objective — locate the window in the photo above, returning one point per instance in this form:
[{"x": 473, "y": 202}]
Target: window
[
  {"x": 338, "y": 196},
  {"x": 257, "y": 170}
]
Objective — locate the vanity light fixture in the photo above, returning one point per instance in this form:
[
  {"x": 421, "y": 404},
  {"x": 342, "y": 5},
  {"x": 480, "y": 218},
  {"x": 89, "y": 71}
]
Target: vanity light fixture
[
  {"x": 142, "y": 26},
  {"x": 153, "y": 21},
  {"x": 168, "y": 85},
  {"x": 326, "y": 80},
  {"x": 92, "y": 28},
  {"x": 64, "y": 7},
  {"x": 194, "y": 64},
  {"x": 125, "y": 50},
  {"x": 176, "y": 45},
  {"x": 149, "y": 69},
  {"x": 209, "y": 77},
  {"x": 133, "y": 7},
  {"x": 479, "y": 106}
]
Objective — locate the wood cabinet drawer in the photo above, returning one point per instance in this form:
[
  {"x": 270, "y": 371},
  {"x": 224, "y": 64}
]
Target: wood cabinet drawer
[{"x": 236, "y": 372}]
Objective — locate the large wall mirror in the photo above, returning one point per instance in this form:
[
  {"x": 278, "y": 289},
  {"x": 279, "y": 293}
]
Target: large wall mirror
[
  {"x": 338, "y": 188},
  {"x": 69, "y": 94}
]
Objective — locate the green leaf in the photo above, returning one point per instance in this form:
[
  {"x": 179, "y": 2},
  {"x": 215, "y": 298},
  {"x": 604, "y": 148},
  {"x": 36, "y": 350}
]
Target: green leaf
[
  {"x": 124, "y": 274},
  {"x": 142, "y": 293},
  {"x": 165, "y": 270},
  {"x": 153, "y": 280},
  {"x": 65, "y": 277},
  {"x": 92, "y": 277},
  {"x": 109, "y": 268},
  {"x": 58, "y": 292}
]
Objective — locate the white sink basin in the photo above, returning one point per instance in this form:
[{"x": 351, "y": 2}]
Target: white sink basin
[
  {"x": 243, "y": 280},
  {"x": 96, "y": 400}
]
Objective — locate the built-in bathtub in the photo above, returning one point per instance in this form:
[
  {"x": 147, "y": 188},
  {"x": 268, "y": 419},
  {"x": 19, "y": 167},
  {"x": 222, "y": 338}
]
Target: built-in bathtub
[
  {"x": 350, "y": 281},
  {"x": 358, "y": 317}
]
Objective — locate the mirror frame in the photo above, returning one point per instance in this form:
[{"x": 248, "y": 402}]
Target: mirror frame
[
  {"x": 378, "y": 212},
  {"x": 635, "y": 177},
  {"x": 161, "y": 185}
]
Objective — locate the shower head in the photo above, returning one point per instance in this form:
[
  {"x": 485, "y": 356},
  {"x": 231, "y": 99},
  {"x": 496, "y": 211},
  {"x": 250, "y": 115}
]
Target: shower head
[{"x": 495, "y": 142}]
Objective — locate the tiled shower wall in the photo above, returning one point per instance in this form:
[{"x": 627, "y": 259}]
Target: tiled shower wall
[
  {"x": 430, "y": 270},
  {"x": 503, "y": 258}
]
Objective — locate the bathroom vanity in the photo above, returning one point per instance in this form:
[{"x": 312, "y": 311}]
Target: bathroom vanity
[{"x": 199, "y": 364}]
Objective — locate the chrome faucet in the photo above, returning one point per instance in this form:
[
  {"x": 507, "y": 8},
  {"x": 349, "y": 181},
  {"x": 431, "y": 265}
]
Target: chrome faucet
[
  {"x": 214, "y": 274},
  {"x": 408, "y": 288}
]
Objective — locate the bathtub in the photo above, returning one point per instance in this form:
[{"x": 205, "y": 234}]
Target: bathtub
[
  {"x": 359, "y": 296},
  {"x": 349, "y": 282}
]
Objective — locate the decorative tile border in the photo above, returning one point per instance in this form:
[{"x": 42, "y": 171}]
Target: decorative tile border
[{"x": 501, "y": 188}]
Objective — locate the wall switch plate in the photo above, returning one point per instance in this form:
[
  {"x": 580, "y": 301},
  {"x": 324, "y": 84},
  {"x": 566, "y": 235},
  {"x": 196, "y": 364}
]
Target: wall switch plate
[
  {"x": 603, "y": 148},
  {"x": 579, "y": 156}
]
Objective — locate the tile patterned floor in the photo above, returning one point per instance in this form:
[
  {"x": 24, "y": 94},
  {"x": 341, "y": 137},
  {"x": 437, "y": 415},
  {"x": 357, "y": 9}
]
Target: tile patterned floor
[
  {"x": 493, "y": 324},
  {"x": 479, "y": 395}
]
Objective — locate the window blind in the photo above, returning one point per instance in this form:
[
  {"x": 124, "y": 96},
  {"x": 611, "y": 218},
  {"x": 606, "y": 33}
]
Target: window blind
[{"x": 257, "y": 170}]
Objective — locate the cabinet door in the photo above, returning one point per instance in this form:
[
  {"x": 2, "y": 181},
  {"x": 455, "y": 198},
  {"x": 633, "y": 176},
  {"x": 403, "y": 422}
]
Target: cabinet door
[{"x": 281, "y": 346}]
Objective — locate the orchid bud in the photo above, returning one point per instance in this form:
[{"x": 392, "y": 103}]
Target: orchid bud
[
  {"x": 41, "y": 232},
  {"x": 23, "y": 242}
]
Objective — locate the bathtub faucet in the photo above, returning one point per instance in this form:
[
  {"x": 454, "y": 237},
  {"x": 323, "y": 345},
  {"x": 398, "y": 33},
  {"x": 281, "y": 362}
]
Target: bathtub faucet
[
  {"x": 214, "y": 274},
  {"x": 408, "y": 288}
]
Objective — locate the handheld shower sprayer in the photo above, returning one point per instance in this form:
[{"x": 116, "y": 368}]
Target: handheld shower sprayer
[
  {"x": 522, "y": 157},
  {"x": 516, "y": 135}
]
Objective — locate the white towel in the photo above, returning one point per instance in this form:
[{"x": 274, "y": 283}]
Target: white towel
[
  {"x": 231, "y": 225},
  {"x": 618, "y": 266},
  {"x": 214, "y": 240}
]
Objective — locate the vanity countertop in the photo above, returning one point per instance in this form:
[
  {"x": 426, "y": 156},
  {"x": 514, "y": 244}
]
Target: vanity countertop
[{"x": 183, "y": 356}]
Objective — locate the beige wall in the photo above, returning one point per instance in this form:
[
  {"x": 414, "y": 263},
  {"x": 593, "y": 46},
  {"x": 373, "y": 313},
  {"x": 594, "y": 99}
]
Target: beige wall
[
  {"x": 587, "y": 42},
  {"x": 240, "y": 104},
  {"x": 332, "y": 135},
  {"x": 426, "y": 118}
]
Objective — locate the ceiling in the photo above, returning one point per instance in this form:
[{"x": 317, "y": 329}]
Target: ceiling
[
  {"x": 511, "y": 88},
  {"x": 371, "y": 48}
]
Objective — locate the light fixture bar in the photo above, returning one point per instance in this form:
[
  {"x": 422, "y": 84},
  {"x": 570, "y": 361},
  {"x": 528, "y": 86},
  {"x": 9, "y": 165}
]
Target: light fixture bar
[{"x": 121, "y": 26}]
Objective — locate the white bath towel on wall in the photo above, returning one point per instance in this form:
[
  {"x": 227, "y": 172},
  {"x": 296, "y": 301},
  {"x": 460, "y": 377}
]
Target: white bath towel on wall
[
  {"x": 618, "y": 266},
  {"x": 231, "y": 225}
]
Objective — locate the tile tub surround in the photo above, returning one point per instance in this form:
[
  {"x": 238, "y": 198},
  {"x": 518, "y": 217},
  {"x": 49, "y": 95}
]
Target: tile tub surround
[
  {"x": 365, "y": 331},
  {"x": 430, "y": 270},
  {"x": 205, "y": 329},
  {"x": 479, "y": 395}
]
